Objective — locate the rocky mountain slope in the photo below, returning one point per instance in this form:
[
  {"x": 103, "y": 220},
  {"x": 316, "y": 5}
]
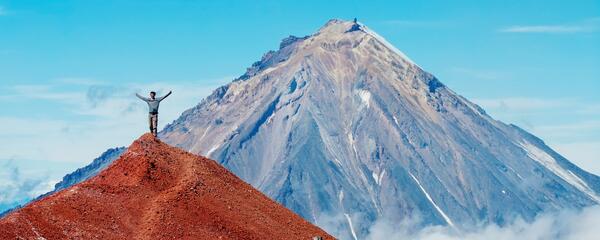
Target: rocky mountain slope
[
  {"x": 341, "y": 125},
  {"x": 155, "y": 191}
]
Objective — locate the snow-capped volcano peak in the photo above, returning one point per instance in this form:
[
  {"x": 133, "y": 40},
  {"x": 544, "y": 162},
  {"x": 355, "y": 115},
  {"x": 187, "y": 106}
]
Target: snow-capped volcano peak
[
  {"x": 336, "y": 30},
  {"x": 336, "y": 37},
  {"x": 336, "y": 26}
]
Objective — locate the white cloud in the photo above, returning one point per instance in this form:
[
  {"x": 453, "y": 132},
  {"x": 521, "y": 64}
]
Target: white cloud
[
  {"x": 101, "y": 116},
  {"x": 3, "y": 11},
  {"x": 589, "y": 25},
  {"x": 567, "y": 225},
  {"x": 17, "y": 188},
  {"x": 39, "y": 92}
]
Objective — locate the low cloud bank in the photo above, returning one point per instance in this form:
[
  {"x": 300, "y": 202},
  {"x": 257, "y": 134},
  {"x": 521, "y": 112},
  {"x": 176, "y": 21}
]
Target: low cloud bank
[{"x": 567, "y": 225}]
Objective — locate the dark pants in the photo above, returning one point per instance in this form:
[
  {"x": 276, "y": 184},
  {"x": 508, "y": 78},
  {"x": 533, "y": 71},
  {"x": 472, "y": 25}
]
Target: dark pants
[{"x": 153, "y": 120}]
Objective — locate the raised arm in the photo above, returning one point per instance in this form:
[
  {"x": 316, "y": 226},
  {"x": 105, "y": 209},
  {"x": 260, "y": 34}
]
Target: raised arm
[
  {"x": 165, "y": 96},
  {"x": 143, "y": 98}
]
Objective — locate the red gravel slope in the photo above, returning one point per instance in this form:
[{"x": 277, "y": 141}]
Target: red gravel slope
[{"x": 155, "y": 191}]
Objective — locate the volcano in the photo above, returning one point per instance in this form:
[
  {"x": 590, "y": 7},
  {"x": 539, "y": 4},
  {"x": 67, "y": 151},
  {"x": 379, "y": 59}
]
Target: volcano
[
  {"x": 342, "y": 127},
  {"x": 155, "y": 191}
]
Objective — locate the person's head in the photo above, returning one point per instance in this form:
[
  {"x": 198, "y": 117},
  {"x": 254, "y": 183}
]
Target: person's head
[{"x": 152, "y": 94}]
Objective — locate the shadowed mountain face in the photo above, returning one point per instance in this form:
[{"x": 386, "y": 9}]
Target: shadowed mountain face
[
  {"x": 90, "y": 170},
  {"x": 344, "y": 129},
  {"x": 155, "y": 191},
  {"x": 81, "y": 174}
]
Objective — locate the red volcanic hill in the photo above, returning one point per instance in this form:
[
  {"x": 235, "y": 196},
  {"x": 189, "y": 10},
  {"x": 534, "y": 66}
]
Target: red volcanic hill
[{"x": 155, "y": 191}]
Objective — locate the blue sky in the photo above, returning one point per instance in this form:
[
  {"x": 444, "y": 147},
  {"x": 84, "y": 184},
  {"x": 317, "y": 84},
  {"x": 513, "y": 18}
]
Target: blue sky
[{"x": 69, "y": 68}]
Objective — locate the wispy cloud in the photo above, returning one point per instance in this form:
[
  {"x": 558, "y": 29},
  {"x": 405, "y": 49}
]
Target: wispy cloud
[
  {"x": 576, "y": 137},
  {"x": 588, "y": 25},
  {"x": 41, "y": 92},
  {"x": 108, "y": 113},
  {"x": 17, "y": 188}
]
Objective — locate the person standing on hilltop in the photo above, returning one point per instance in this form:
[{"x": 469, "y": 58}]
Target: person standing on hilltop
[{"x": 153, "y": 103}]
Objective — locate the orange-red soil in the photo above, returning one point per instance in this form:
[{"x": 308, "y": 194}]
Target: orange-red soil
[{"x": 155, "y": 191}]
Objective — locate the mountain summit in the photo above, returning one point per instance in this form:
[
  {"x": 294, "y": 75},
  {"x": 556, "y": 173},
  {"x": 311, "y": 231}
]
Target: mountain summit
[
  {"x": 344, "y": 129},
  {"x": 155, "y": 191}
]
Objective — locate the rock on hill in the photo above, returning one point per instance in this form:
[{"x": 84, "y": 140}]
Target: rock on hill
[{"x": 155, "y": 191}]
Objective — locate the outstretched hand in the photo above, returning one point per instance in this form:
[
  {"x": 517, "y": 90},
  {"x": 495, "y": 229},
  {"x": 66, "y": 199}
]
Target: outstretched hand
[{"x": 165, "y": 96}]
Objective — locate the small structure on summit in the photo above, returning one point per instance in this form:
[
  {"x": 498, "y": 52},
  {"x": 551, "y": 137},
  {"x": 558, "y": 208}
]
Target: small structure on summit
[{"x": 355, "y": 26}]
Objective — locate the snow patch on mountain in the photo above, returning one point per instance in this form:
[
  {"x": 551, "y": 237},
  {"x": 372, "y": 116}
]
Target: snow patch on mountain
[
  {"x": 387, "y": 44},
  {"x": 432, "y": 202},
  {"x": 365, "y": 96},
  {"x": 378, "y": 177},
  {"x": 351, "y": 226},
  {"x": 549, "y": 162},
  {"x": 211, "y": 150}
]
